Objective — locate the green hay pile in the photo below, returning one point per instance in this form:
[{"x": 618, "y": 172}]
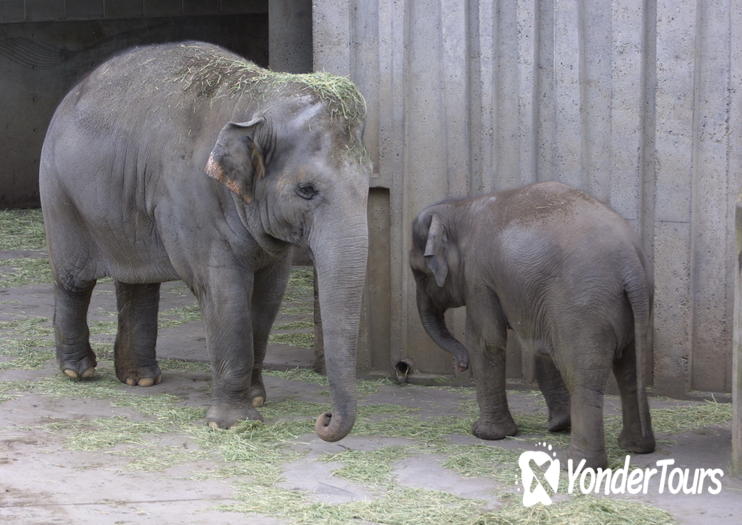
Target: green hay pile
[
  {"x": 178, "y": 316},
  {"x": 300, "y": 288},
  {"x": 581, "y": 510},
  {"x": 482, "y": 461},
  {"x": 403, "y": 506},
  {"x": 26, "y": 342},
  {"x": 691, "y": 417},
  {"x": 370, "y": 467},
  {"x": 157, "y": 457},
  {"x": 12, "y": 389},
  {"x": 185, "y": 366},
  {"x": 104, "y": 433},
  {"x": 299, "y": 340},
  {"x": 23, "y": 271},
  {"x": 295, "y": 325},
  {"x": 303, "y": 375},
  {"x": 210, "y": 74},
  {"x": 21, "y": 230}
]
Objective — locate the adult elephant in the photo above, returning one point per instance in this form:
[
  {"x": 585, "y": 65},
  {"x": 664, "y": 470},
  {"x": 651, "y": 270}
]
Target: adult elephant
[{"x": 185, "y": 161}]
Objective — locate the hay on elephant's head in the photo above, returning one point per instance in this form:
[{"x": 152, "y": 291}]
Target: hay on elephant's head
[{"x": 209, "y": 71}]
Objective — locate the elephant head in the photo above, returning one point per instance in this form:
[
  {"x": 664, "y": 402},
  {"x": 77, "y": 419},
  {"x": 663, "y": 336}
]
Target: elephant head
[
  {"x": 299, "y": 172},
  {"x": 434, "y": 260}
]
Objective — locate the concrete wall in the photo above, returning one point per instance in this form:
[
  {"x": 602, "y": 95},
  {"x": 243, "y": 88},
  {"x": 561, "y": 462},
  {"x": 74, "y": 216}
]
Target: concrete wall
[
  {"x": 636, "y": 102},
  {"x": 45, "y": 47},
  {"x": 290, "y": 46}
]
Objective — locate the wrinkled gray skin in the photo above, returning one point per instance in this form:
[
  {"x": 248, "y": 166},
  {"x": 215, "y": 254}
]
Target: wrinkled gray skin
[
  {"x": 567, "y": 274},
  {"x": 147, "y": 181}
]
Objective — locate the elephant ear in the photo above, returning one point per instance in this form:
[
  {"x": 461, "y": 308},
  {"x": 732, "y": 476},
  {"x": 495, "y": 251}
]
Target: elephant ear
[
  {"x": 237, "y": 159},
  {"x": 435, "y": 250}
]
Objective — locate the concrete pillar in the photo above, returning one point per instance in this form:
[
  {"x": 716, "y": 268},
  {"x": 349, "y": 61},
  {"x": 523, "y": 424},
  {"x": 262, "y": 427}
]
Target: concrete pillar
[
  {"x": 290, "y": 35},
  {"x": 735, "y": 167},
  {"x": 737, "y": 353}
]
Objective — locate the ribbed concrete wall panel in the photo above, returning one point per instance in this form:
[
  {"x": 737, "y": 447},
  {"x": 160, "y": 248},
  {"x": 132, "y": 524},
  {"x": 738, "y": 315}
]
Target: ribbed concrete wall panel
[{"x": 634, "y": 101}]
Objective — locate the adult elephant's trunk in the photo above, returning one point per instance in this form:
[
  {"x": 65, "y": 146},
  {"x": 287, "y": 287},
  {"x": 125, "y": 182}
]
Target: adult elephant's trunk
[
  {"x": 434, "y": 322},
  {"x": 340, "y": 251}
]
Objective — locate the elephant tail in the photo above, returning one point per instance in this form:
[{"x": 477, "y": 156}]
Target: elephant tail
[{"x": 639, "y": 291}]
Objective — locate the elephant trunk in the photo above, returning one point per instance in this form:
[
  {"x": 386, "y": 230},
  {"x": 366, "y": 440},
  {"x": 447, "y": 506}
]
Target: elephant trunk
[
  {"x": 434, "y": 323},
  {"x": 340, "y": 255}
]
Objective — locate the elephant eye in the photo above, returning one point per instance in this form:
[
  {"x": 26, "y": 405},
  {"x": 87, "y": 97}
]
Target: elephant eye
[{"x": 306, "y": 190}]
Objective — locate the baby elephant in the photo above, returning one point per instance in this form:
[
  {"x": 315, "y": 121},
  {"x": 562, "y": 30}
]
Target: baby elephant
[{"x": 567, "y": 275}]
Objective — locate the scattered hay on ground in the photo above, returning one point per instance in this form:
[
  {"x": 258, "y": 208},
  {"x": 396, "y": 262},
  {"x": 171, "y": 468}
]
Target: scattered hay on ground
[
  {"x": 482, "y": 461},
  {"x": 22, "y": 271},
  {"x": 185, "y": 366},
  {"x": 304, "y": 375},
  {"x": 371, "y": 467},
  {"x": 579, "y": 510},
  {"x": 26, "y": 342},
  {"x": 685, "y": 418},
  {"x": 21, "y": 230},
  {"x": 295, "y": 325},
  {"x": 403, "y": 506},
  {"x": 178, "y": 316},
  {"x": 300, "y": 340}
]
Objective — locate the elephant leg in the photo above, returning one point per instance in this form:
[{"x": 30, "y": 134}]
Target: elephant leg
[
  {"x": 631, "y": 437},
  {"x": 74, "y": 355},
  {"x": 270, "y": 284},
  {"x": 487, "y": 338},
  {"x": 488, "y": 362},
  {"x": 555, "y": 392},
  {"x": 586, "y": 365},
  {"x": 225, "y": 306},
  {"x": 134, "y": 349},
  {"x": 495, "y": 421}
]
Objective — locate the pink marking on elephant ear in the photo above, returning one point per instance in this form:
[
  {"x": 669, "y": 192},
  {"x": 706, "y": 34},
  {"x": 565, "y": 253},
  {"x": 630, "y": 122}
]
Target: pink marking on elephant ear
[{"x": 215, "y": 170}]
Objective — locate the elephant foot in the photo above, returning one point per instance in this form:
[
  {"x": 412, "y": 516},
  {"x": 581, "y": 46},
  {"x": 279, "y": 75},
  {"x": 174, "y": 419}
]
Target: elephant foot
[
  {"x": 559, "y": 422},
  {"x": 77, "y": 369},
  {"x": 140, "y": 376},
  {"x": 227, "y": 416},
  {"x": 593, "y": 459},
  {"x": 636, "y": 443},
  {"x": 257, "y": 395},
  {"x": 492, "y": 431}
]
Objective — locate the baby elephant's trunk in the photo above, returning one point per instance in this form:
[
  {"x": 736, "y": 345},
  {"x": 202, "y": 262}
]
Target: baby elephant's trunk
[{"x": 434, "y": 322}]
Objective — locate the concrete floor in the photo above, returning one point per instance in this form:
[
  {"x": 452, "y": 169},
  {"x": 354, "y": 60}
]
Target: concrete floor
[{"x": 45, "y": 480}]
